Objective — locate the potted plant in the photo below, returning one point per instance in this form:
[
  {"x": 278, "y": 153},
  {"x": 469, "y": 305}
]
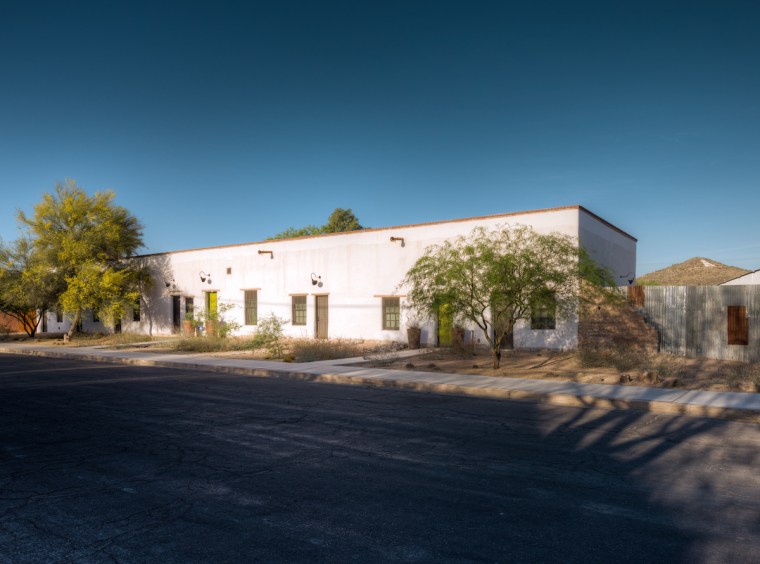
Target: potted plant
[
  {"x": 211, "y": 322},
  {"x": 188, "y": 324},
  {"x": 413, "y": 332},
  {"x": 457, "y": 334}
]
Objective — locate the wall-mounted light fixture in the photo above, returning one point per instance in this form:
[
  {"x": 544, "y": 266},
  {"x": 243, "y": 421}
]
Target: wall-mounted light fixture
[
  {"x": 204, "y": 276},
  {"x": 629, "y": 276},
  {"x": 394, "y": 239},
  {"x": 315, "y": 279},
  {"x": 270, "y": 253}
]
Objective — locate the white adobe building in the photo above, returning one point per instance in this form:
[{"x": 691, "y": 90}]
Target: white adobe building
[
  {"x": 749, "y": 279},
  {"x": 345, "y": 285}
]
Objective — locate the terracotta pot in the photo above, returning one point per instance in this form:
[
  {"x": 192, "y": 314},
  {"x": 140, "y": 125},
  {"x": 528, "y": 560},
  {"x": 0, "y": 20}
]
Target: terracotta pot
[
  {"x": 457, "y": 337},
  {"x": 210, "y": 328},
  {"x": 188, "y": 328},
  {"x": 413, "y": 335}
]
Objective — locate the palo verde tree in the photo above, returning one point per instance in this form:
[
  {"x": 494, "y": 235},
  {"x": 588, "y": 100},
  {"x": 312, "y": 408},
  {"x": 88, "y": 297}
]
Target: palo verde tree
[
  {"x": 493, "y": 278},
  {"x": 27, "y": 286},
  {"x": 85, "y": 243}
]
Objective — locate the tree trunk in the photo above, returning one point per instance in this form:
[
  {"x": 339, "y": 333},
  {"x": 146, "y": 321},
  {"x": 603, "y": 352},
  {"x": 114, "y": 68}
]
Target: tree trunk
[
  {"x": 30, "y": 324},
  {"x": 74, "y": 323},
  {"x": 28, "y": 321},
  {"x": 496, "y": 357}
]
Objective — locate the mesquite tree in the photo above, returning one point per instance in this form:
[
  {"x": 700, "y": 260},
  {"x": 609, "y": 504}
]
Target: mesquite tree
[{"x": 492, "y": 278}]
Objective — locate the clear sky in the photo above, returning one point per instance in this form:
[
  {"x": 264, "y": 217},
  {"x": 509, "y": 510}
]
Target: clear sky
[{"x": 226, "y": 122}]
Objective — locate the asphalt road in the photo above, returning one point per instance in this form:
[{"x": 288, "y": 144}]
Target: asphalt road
[{"x": 104, "y": 463}]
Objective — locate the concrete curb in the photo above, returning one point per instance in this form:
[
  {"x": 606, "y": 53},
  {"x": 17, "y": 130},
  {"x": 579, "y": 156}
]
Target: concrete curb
[{"x": 671, "y": 407}]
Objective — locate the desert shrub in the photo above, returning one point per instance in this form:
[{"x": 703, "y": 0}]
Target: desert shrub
[
  {"x": 621, "y": 359},
  {"x": 743, "y": 377},
  {"x": 126, "y": 338},
  {"x": 224, "y": 326},
  {"x": 269, "y": 335},
  {"x": 216, "y": 323},
  {"x": 211, "y": 343},
  {"x": 310, "y": 350},
  {"x": 593, "y": 358},
  {"x": 663, "y": 370},
  {"x": 89, "y": 338}
]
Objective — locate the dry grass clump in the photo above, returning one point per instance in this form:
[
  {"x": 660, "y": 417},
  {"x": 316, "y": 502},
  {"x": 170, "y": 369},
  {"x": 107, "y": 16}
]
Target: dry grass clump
[
  {"x": 211, "y": 344},
  {"x": 311, "y": 350},
  {"x": 625, "y": 359},
  {"x": 620, "y": 359},
  {"x": 114, "y": 339},
  {"x": 743, "y": 377}
]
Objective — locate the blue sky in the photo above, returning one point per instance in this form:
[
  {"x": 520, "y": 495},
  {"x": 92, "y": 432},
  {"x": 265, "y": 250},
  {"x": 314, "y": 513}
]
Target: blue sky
[{"x": 226, "y": 122}]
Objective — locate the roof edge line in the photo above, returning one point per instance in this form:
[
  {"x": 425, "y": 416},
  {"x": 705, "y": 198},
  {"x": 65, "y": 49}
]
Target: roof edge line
[{"x": 406, "y": 226}]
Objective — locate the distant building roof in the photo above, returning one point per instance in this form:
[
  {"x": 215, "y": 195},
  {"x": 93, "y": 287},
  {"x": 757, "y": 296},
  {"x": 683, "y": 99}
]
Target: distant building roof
[{"x": 752, "y": 277}]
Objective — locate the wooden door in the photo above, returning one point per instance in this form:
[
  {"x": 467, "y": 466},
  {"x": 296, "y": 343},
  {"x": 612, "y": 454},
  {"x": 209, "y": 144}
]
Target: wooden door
[
  {"x": 738, "y": 325},
  {"x": 320, "y": 319}
]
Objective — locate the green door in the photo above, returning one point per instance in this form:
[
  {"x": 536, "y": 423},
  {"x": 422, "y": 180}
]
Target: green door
[{"x": 445, "y": 325}]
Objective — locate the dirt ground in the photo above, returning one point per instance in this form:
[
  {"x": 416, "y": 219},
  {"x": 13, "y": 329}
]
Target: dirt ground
[{"x": 638, "y": 369}]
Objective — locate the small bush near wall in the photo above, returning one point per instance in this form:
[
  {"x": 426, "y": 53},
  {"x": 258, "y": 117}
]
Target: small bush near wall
[{"x": 268, "y": 335}]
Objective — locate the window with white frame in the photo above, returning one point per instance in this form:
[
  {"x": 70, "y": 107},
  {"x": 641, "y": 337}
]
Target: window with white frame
[
  {"x": 391, "y": 313},
  {"x": 251, "y": 307},
  {"x": 298, "y": 313},
  {"x": 543, "y": 312}
]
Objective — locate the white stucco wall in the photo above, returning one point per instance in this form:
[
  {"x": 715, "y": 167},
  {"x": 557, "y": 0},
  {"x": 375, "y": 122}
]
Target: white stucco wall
[
  {"x": 356, "y": 270},
  {"x": 609, "y": 247}
]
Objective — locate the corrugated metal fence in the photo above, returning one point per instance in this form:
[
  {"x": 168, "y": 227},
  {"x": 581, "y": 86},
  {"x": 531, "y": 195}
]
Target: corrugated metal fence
[{"x": 700, "y": 321}]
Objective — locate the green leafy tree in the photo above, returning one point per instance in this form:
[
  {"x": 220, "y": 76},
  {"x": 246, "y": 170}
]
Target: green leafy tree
[
  {"x": 27, "y": 286},
  {"x": 291, "y": 232},
  {"x": 85, "y": 242},
  {"x": 340, "y": 220},
  {"x": 492, "y": 278}
]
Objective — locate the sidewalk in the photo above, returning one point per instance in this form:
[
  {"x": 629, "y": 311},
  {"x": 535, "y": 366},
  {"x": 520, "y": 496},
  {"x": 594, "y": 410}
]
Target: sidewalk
[{"x": 723, "y": 405}]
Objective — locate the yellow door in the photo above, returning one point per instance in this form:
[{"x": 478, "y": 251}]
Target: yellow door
[{"x": 445, "y": 325}]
